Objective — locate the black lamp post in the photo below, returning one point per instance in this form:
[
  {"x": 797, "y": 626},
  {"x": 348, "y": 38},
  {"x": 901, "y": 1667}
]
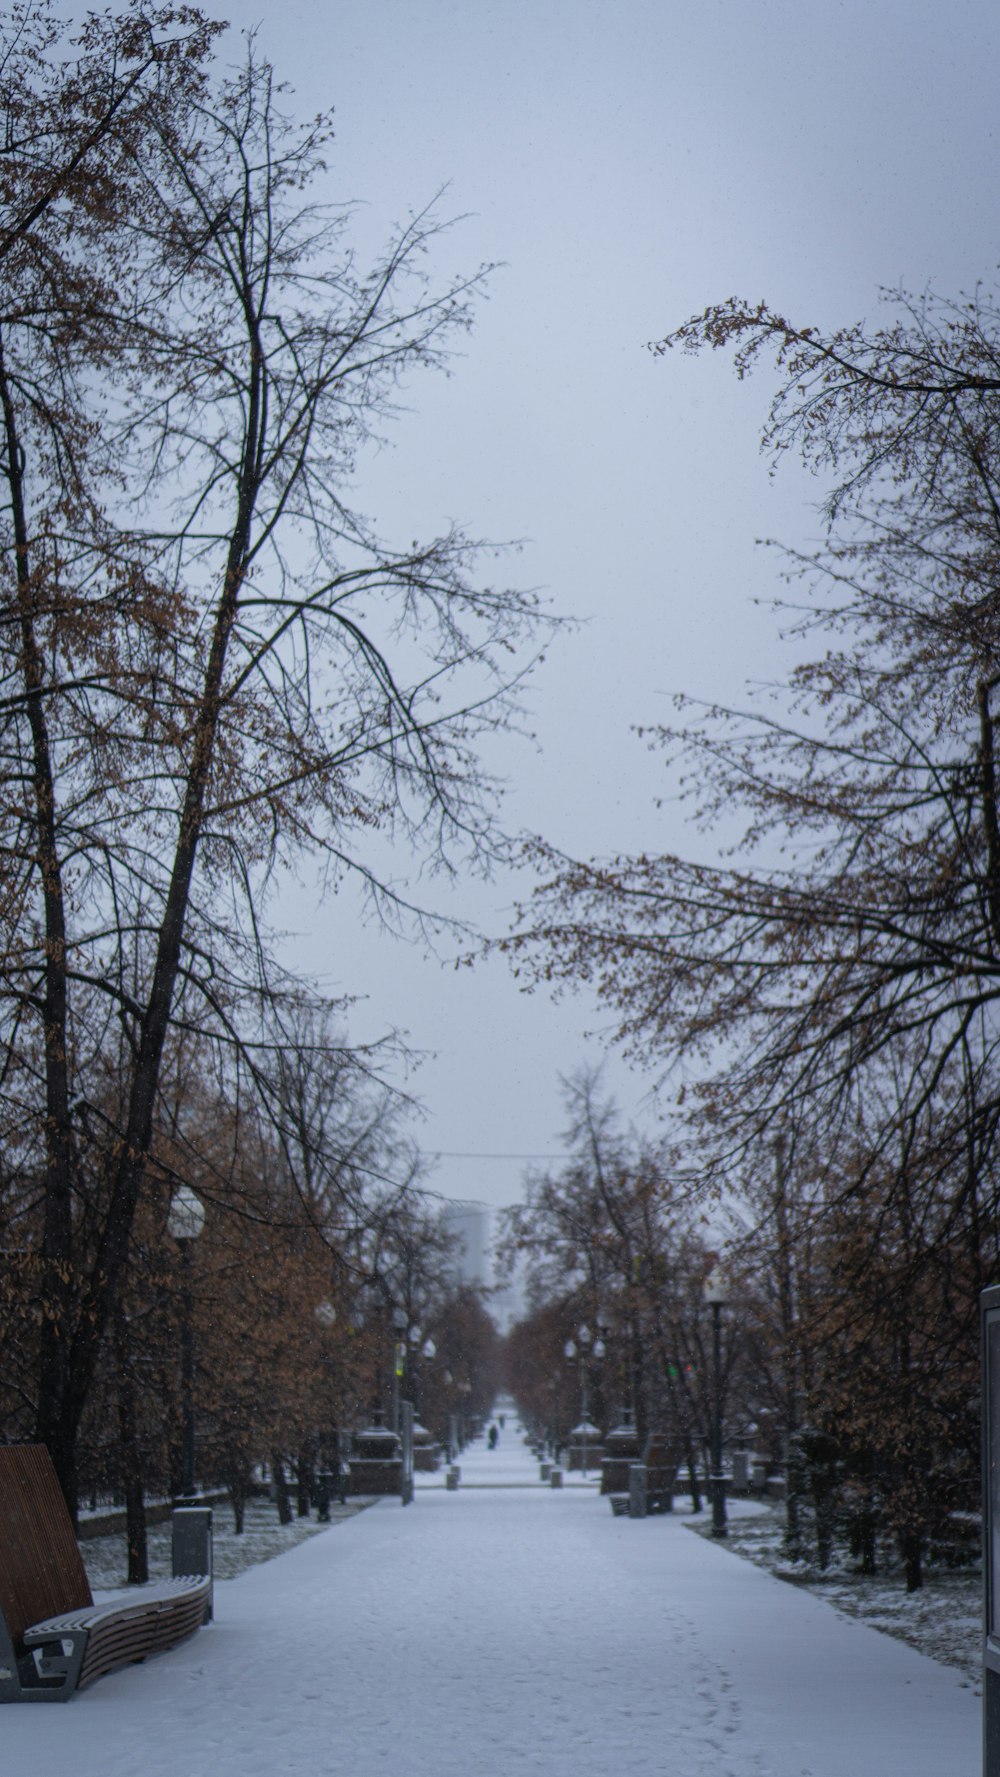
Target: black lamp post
[
  {"x": 400, "y": 1321},
  {"x": 618, "y": 1324},
  {"x": 571, "y": 1354},
  {"x": 425, "y": 1353},
  {"x": 570, "y": 1351},
  {"x": 717, "y": 1295},
  {"x": 414, "y": 1337},
  {"x": 464, "y": 1418},
  {"x": 185, "y": 1221},
  {"x": 326, "y": 1316}
]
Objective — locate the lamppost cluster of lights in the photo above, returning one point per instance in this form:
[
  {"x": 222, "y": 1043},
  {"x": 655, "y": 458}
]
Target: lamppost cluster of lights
[
  {"x": 585, "y": 1346},
  {"x": 716, "y": 1293},
  {"x": 330, "y": 1475},
  {"x": 408, "y": 1345}
]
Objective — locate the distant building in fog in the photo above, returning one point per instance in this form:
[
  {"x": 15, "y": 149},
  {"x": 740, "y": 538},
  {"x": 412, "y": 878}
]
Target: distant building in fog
[
  {"x": 469, "y": 1223},
  {"x": 472, "y": 1225}
]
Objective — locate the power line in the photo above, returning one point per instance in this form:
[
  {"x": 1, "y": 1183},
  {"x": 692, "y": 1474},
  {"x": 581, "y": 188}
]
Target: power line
[{"x": 445, "y": 1154}]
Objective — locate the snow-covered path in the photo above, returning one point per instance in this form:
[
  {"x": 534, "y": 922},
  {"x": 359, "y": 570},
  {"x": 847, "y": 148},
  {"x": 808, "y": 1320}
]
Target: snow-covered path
[{"x": 506, "y": 1629}]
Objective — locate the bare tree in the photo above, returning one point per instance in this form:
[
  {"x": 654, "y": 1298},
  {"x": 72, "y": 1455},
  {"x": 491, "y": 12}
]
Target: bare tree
[
  {"x": 210, "y": 661},
  {"x": 860, "y": 911}
]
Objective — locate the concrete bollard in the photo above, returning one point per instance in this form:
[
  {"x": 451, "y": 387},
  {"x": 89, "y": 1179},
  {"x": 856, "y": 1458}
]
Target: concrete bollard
[{"x": 637, "y": 1490}]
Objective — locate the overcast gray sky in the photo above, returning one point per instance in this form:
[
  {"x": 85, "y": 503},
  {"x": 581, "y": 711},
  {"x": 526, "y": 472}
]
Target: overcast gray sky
[{"x": 628, "y": 163}]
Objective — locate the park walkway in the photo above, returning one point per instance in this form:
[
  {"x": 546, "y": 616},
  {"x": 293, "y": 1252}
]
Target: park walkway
[{"x": 511, "y": 1628}]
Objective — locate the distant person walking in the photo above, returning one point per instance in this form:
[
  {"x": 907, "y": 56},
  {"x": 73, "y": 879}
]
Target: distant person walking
[{"x": 493, "y": 1437}]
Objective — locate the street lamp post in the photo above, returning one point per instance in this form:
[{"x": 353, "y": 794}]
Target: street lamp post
[
  {"x": 617, "y": 1323},
  {"x": 570, "y": 1350},
  {"x": 411, "y": 1381},
  {"x": 584, "y": 1335},
  {"x": 185, "y": 1221},
  {"x": 326, "y": 1316},
  {"x": 717, "y": 1295},
  {"x": 427, "y": 1352},
  {"x": 569, "y": 1353},
  {"x": 465, "y": 1390},
  {"x": 400, "y": 1321}
]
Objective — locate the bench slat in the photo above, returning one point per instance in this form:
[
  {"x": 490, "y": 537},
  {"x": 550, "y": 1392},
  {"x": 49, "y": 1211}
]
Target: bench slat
[{"x": 142, "y": 1602}]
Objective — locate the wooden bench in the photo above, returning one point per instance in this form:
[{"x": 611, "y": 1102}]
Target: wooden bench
[{"x": 53, "y": 1638}]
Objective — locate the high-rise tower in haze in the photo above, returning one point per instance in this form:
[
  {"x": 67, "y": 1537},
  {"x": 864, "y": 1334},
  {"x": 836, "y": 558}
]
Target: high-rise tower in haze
[{"x": 473, "y": 1255}]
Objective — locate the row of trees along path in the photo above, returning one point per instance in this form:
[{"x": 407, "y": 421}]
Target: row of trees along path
[{"x": 819, "y": 1002}]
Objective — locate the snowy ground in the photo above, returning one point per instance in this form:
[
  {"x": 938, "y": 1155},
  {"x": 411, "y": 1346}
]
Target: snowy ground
[
  {"x": 511, "y": 1627},
  {"x": 263, "y": 1538},
  {"x": 944, "y": 1619}
]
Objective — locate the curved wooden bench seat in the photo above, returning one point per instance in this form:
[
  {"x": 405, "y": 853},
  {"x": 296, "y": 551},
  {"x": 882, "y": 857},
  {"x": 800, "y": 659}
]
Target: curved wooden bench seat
[
  {"x": 53, "y": 1638},
  {"x": 70, "y": 1650}
]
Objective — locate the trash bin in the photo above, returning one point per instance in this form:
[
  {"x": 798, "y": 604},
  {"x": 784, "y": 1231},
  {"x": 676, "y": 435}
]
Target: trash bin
[{"x": 191, "y": 1545}]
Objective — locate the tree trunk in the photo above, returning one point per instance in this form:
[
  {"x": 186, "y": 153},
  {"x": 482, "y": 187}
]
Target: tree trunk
[
  {"x": 129, "y": 1175},
  {"x": 912, "y": 1547},
  {"x": 281, "y": 1497},
  {"x": 692, "y": 1469},
  {"x": 54, "y": 1427},
  {"x": 236, "y": 1486},
  {"x": 304, "y": 1479},
  {"x": 823, "y": 1506},
  {"x": 863, "y": 1541},
  {"x": 135, "y": 1504},
  {"x": 794, "y": 1481}
]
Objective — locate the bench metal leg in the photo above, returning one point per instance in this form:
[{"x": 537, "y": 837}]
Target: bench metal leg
[
  {"x": 56, "y": 1667},
  {"x": 47, "y": 1673}
]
